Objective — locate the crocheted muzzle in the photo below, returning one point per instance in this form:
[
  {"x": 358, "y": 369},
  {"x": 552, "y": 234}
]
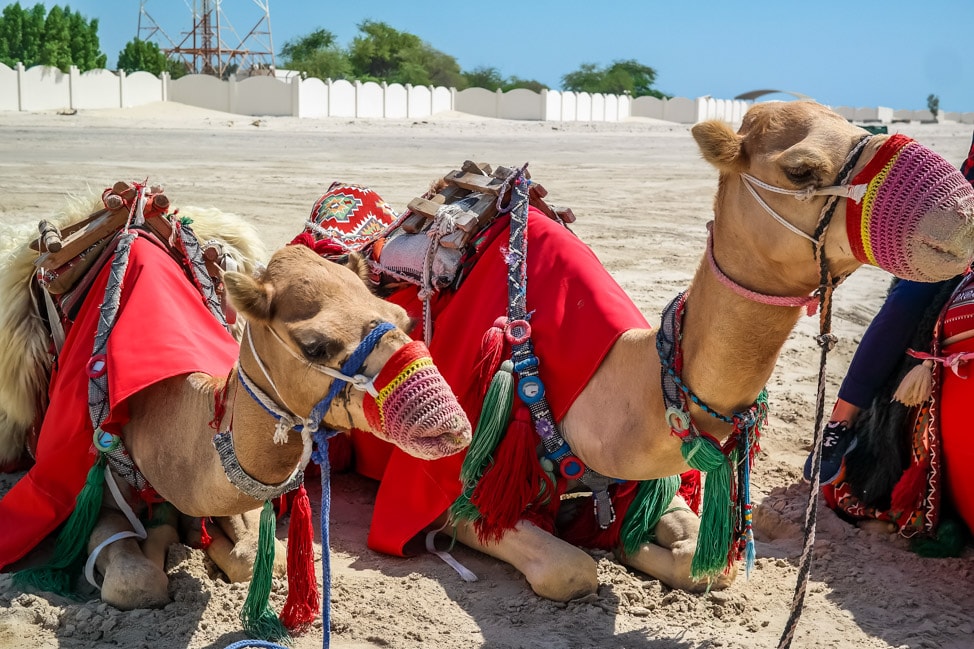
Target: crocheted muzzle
[
  {"x": 415, "y": 408},
  {"x": 914, "y": 220}
]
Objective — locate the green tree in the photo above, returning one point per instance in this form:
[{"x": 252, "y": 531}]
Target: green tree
[
  {"x": 316, "y": 55},
  {"x": 59, "y": 37},
  {"x": 491, "y": 79},
  {"x": 381, "y": 53},
  {"x": 933, "y": 105},
  {"x": 529, "y": 84},
  {"x": 622, "y": 77},
  {"x": 145, "y": 56},
  {"x": 483, "y": 77}
]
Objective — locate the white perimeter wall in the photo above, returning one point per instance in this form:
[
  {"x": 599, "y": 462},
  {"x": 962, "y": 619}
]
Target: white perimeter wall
[{"x": 46, "y": 88}]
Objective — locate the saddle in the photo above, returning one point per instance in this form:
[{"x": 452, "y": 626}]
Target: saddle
[
  {"x": 71, "y": 257},
  {"x": 432, "y": 241}
]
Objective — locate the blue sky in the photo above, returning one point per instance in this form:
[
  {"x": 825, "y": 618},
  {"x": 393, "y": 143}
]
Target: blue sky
[{"x": 843, "y": 53}]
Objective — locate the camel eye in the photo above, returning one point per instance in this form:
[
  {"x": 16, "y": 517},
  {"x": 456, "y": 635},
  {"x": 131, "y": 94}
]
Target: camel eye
[
  {"x": 320, "y": 349},
  {"x": 800, "y": 175}
]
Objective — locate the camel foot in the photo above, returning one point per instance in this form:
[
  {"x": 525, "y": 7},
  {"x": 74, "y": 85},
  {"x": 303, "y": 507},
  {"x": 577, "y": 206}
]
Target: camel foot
[
  {"x": 133, "y": 581},
  {"x": 669, "y": 559},
  {"x": 554, "y": 569}
]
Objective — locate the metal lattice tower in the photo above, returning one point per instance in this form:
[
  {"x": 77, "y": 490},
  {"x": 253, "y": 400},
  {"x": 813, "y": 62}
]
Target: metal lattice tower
[{"x": 212, "y": 45}]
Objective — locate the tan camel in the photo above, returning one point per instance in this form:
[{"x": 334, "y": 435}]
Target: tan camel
[
  {"x": 304, "y": 317},
  {"x": 784, "y": 165},
  {"x": 322, "y": 310}
]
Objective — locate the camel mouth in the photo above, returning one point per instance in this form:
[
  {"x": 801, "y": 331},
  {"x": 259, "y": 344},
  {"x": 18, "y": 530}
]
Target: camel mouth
[
  {"x": 451, "y": 441},
  {"x": 943, "y": 244}
]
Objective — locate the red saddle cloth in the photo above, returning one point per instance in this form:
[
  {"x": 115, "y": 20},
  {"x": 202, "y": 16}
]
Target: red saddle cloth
[
  {"x": 163, "y": 330},
  {"x": 578, "y": 312}
]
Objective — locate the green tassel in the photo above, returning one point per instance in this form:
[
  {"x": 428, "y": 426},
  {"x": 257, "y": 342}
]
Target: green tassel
[
  {"x": 258, "y": 620},
  {"x": 494, "y": 416},
  {"x": 652, "y": 499},
  {"x": 61, "y": 570},
  {"x": 716, "y": 522},
  {"x": 949, "y": 541}
]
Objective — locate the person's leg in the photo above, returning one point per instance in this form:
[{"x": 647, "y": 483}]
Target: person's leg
[{"x": 879, "y": 353}]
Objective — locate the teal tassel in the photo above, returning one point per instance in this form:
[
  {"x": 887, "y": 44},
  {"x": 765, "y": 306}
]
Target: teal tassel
[
  {"x": 949, "y": 541},
  {"x": 652, "y": 499},
  {"x": 258, "y": 620},
  {"x": 494, "y": 417},
  {"x": 716, "y": 522},
  {"x": 61, "y": 570}
]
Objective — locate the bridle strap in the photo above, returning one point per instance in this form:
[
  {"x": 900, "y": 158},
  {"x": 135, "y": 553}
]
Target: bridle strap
[{"x": 809, "y": 302}]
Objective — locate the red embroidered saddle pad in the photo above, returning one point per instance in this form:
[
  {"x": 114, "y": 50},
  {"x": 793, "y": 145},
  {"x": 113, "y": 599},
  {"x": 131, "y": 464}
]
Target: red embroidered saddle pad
[{"x": 163, "y": 330}]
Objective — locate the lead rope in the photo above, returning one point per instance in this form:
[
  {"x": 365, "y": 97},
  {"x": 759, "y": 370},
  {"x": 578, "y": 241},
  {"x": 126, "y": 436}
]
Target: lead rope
[{"x": 826, "y": 341}]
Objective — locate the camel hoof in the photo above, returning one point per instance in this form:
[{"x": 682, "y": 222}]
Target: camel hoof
[
  {"x": 132, "y": 584},
  {"x": 565, "y": 579}
]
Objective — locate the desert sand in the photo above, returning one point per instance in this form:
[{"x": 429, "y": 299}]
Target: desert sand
[{"x": 642, "y": 196}]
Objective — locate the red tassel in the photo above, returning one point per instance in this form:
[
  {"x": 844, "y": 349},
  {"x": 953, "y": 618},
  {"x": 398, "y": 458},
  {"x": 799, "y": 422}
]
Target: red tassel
[
  {"x": 303, "y": 601},
  {"x": 512, "y": 484},
  {"x": 491, "y": 356},
  {"x": 690, "y": 489},
  {"x": 909, "y": 489},
  {"x": 205, "y": 539}
]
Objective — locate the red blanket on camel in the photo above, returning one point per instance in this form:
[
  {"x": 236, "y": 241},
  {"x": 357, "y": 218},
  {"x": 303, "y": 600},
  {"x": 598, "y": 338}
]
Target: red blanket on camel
[
  {"x": 163, "y": 330},
  {"x": 578, "y": 312}
]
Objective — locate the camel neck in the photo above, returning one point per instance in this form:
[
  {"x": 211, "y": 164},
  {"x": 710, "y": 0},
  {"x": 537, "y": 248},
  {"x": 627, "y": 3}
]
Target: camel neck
[
  {"x": 253, "y": 430},
  {"x": 730, "y": 346}
]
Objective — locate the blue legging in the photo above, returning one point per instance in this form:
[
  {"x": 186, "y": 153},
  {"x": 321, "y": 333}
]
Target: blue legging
[{"x": 886, "y": 339}]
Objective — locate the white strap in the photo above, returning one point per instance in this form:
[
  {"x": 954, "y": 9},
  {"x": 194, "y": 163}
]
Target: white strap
[
  {"x": 139, "y": 530},
  {"x": 359, "y": 381},
  {"x": 749, "y": 181},
  {"x": 465, "y": 573}
]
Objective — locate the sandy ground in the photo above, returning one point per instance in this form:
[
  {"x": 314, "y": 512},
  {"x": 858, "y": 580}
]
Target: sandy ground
[{"x": 642, "y": 196}]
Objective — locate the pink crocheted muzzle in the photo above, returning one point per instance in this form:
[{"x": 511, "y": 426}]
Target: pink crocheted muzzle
[
  {"x": 916, "y": 204},
  {"x": 415, "y": 408}
]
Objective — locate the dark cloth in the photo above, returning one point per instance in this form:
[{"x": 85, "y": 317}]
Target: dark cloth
[{"x": 886, "y": 339}]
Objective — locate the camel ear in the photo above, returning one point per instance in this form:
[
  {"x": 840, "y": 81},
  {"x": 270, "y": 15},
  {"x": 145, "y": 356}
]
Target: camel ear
[
  {"x": 249, "y": 296},
  {"x": 357, "y": 264},
  {"x": 720, "y": 145}
]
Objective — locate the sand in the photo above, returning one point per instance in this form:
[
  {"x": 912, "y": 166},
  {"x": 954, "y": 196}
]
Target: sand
[{"x": 642, "y": 196}]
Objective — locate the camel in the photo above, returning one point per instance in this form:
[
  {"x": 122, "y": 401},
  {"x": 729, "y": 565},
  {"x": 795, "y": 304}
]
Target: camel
[
  {"x": 802, "y": 201},
  {"x": 303, "y": 318}
]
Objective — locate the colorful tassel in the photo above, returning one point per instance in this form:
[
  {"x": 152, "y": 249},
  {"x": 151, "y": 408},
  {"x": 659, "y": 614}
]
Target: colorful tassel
[
  {"x": 256, "y": 616},
  {"x": 59, "y": 573},
  {"x": 948, "y": 541},
  {"x": 910, "y": 488},
  {"x": 491, "y": 355},
  {"x": 917, "y": 386},
  {"x": 494, "y": 417},
  {"x": 652, "y": 499},
  {"x": 716, "y": 526},
  {"x": 513, "y": 483},
  {"x": 303, "y": 602}
]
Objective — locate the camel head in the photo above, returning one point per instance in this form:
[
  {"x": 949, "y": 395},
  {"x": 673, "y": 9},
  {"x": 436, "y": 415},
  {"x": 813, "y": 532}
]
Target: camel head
[
  {"x": 898, "y": 205},
  {"x": 308, "y": 318}
]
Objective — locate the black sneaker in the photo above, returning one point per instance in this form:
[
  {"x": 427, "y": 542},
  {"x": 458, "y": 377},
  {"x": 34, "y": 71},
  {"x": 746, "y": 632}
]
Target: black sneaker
[{"x": 838, "y": 441}]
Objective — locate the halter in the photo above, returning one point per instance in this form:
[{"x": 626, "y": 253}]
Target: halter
[
  {"x": 287, "y": 420},
  {"x": 842, "y": 189}
]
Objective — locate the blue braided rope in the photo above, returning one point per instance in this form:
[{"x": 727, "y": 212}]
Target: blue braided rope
[{"x": 320, "y": 457}]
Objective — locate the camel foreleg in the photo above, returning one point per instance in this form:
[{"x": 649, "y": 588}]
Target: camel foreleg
[
  {"x": 669, "y": 558},
  {"x": 554, "y": 569},
  {"x": 131, "y": 579},
  {"x": 234, "y": 546}
]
